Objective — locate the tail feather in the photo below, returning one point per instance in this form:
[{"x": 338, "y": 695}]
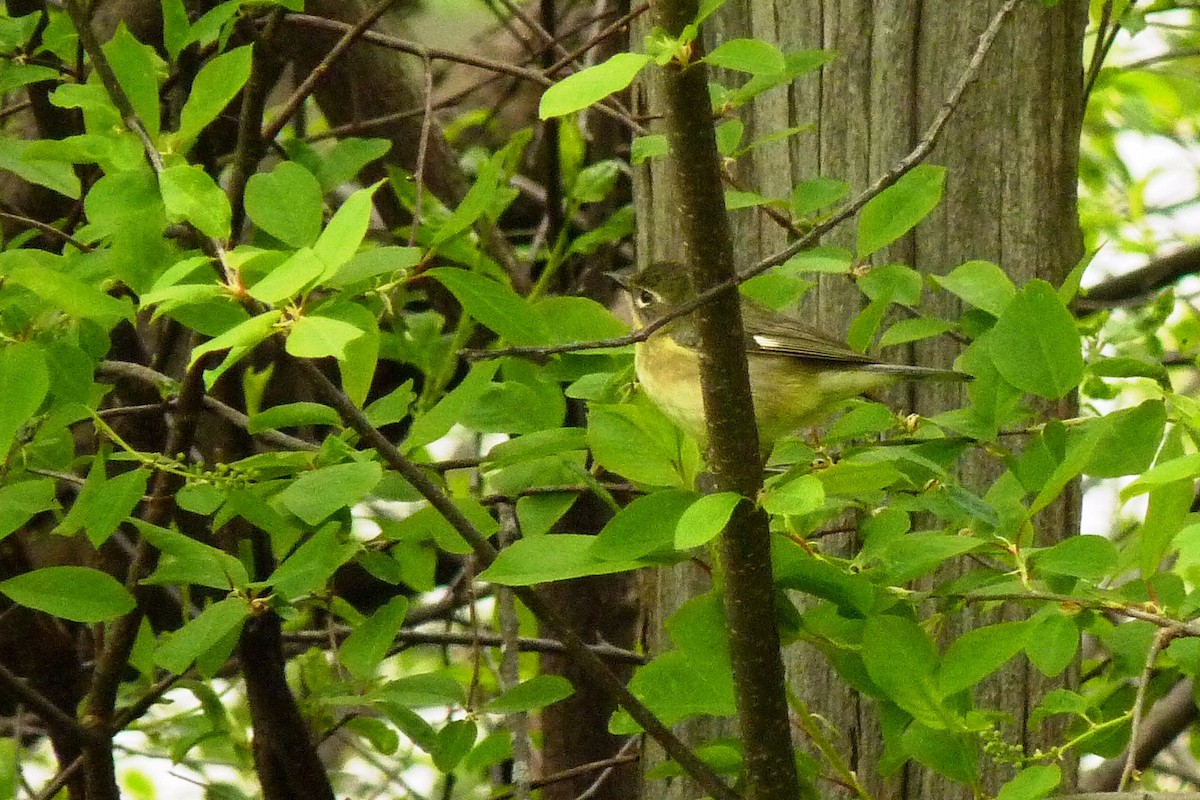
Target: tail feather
[{"x": 918, "y": 373}]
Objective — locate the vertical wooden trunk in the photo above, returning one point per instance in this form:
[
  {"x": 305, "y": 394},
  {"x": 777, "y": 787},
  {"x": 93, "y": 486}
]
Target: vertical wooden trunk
[{"x": 1010, "y": 151}]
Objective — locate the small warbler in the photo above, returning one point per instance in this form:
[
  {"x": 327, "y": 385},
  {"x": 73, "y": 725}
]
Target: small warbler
[{"x": 797, "y": 375}]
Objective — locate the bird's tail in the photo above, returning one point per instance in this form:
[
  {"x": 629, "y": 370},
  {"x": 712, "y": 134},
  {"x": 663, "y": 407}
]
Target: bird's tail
[{"x": 910, "y": 372}]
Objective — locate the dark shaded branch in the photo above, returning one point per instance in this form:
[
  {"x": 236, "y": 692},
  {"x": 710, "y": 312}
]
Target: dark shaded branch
[
  {"x": 548, "y": 616},
  {"x": 1135, "y": 286}
]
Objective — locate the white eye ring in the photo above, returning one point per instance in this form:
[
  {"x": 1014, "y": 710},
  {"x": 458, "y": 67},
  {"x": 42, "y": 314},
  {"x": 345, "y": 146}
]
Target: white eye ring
[{"x": 645, "y": 297}]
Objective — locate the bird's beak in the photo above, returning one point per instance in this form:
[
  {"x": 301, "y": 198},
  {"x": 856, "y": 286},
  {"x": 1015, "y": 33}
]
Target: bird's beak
[{"x": 621, "y": 277}]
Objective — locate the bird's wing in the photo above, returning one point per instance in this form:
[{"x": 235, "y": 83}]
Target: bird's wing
[{"x": 769, "y": 332}]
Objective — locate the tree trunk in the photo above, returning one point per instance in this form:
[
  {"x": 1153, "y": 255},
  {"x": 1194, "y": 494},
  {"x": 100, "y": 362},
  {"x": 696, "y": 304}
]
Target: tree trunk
[{"x": 1010, "y": 150}]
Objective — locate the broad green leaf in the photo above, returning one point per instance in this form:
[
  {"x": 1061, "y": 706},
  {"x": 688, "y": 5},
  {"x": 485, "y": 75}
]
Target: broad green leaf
[
  {"x": 176, "y": 27},
  {"x": 951, "y": 753},
  {"x": 980, "y": 283},
  {"x": 645, "y": 526},
  {"x": 368, "y": 643},
  {"x": 80, "y": 594},
  {"x": 137, "y": 67},
  {"x": 802, "y": 495},
  {"x": 315, "y": 495},
  {"x": 595, "y": 181},
  {"x": 342, "y": 236},
  {"x": 188, "y": 561},
  {"x": 747, "y": 55},
  {"x": 591, "y": 85},
  {"x": 243, "y": 335},
  {"x": 49, "y": 173},
  {"x": 556, "y": 557},
  {"x": 1182, "y": 468},
  {"x": 978, "y": 653},
  {"x": 578, "y": 319},
  {"x": 360, "y": 355},
  {"x": 1032, "y": 783},
  {"x": 1052, "y": 642},
  {"x": 286, "y": 203},
  {"x": 190, "y": 195},
  {"x": 289, "y": 278},
  {"x": 704, "y": 519},
  {"x": 392, "y": 407},
  {"x": 909, "y": 557},
  {"x": 20, "y": 501},
  {"x": 494, "y": 305},
  {"x": 215, "y": 87},
  {"x": 65, "y": 292},
  {"x": 1035, "y": 344},
  {"x": 894, "y": 211},
  {"x": 637, "y": 441},
  {"x": 291, "y": 415},
  {"x": 201, "y": 634},
  {"x": 913, "y": 330},
  {"x": 902, "y": 662},
  {"x": 538, "y": 513},
  {"x": 531, "y": 695},
  {"x": 374, "y": 262},
  {"x": 453, "y": 742},
  {"x": 1091, "y": 557},
  {"x": 1129, "y": 441},
  {"x": 104, "y": 503},
  {"x": 812, "y": 195},
  {"x": 314, "y": 336},
  {"x": 26, "y": 381},
  {"x": 313, "y": 563},
  {"x": 437, "y": 422},
  {"x": 797, "y": 569},
  {"x": 348, "y": 158},
  {"x": 646, "y": 147}
]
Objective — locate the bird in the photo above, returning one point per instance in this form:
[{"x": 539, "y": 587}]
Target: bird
[{"x": 798, "y": 375}]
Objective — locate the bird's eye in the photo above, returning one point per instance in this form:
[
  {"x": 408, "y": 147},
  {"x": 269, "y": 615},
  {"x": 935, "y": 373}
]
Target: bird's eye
[{"x": 645, "y": 297}]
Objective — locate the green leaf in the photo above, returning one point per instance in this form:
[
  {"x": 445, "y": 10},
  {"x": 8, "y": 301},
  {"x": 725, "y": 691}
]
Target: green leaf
[
  {"x": 314, "y": 336},
  {"x": 374, "y": 262},
  {"x": 531, "y": 695},
  {"x": 49, "y": 173},
  {"x": 188, "y": 561},
  {"x": 578, "y": 319},
  {"x": 1129, "y": 441},
  {"x": 636, "y": 441},
  {"x": 244, "y": 335},
  {"x": 978, "y": 653},
  {"x": 980, "y": 283},
  {"x": 902, "y": 662},
  {"x": 313, "y": 563},
  {"x": 494, "y": 305},
  {"x": 646, "y": 147},
  {"x": 556, "y": 557},
  {"x": 291, "y": 415},
  {"x": 1053, "y": 642},
  {"x": 797, "y": 569},
  {"x": 201, "y": 634},
  {"x": 80, "y": 594},
  {"x": 1032, "y": 783},
  {"x": 453, "y": 742},
  {"x": 437, "y": 422},
  {"x": 367, "y": 644},
  {"x": 704, "y": 519},
  {"x": 190, "y": 195},
  {"x": 104, "y": 503},
  {"x": 26, "y": 381},
  {"x": 348, "y": 158},
  {"x": 65, "y": 292},
  {"x": 342, "y": 236},
  {"x": 289, "y": 278},
  {"x": 747, "y": 55},
  {"x": 811, "y": 196},
  {"x": 913, "y": 330},
  {"x": 909, "y": 557},
  {"x": 392, "y": 407},
  {"x": 20, "y": 501},
  {"x": 802, "y": 495},
  {"x": 591, "y": 85},
  {"x": 136, "y": 66},
  {"x": 176, "y": 27},
  {"x": 1035, "y": 344},
  {"x": 645, "y": 526},
  {"x": 286, "y": 203},
  {"x": 1090, "y": 557},
  {"x": 1183, "y": 468},
  {"x": 894, "y": 211},
  {"x": 215, "y": 87},
  {"x": 315, "y": 495}
]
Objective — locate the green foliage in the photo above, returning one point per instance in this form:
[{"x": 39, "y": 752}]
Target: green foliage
[{"x": 259, "y": 514}]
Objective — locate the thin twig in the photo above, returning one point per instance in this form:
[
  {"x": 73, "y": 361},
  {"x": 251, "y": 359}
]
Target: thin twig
[
  {"x": 422, "y": 148},
  {"x": 622, "y": 757},
  {"x": 576, "y": 647},
  {"x": 309, "y": 84},
  {"x": 517, "y": 723},
  {"x": 1161, "y": 637},
  {"x": 49, "y": 230},
  {"x": 53, "y": 716},
  {"x": 898, "y": 170}
]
